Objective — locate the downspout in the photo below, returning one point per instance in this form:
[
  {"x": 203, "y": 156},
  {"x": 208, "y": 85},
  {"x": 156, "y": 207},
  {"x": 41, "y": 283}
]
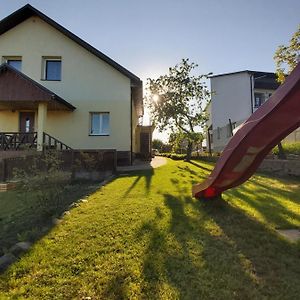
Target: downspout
[
  {"x": 209, "y": 140},
  {"x": 230, "y": 125},
  {"x": 251, "y": 90}
]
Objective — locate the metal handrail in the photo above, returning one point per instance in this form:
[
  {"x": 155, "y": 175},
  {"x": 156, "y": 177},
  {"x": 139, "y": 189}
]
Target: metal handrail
[
  {"x": 16, "y": 140},
  {"x": 28, "y": 140}
]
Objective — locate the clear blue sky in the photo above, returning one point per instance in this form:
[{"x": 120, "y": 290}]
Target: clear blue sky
[{"x": 148, "y": 36}]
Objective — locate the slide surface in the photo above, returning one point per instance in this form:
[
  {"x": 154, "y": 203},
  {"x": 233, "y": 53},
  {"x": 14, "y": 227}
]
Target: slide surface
[{"x": 265, "y": 128}]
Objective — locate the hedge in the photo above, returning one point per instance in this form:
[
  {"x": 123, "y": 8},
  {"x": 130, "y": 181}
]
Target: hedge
[{"x": 289, "y": 148}]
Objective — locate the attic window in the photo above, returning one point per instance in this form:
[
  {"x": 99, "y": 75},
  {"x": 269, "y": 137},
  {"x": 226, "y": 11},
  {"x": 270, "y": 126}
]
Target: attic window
[
  {"x": 52, "y": 68},
  {"x": 14, "y": 61}
]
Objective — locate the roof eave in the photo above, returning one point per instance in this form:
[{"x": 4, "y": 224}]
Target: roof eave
[
  {"x": 53, "y": 95},
  {"x": 28, "y": 11}
]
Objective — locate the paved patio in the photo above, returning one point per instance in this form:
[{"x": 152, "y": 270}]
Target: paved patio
[{"x": 156, "y": 162}]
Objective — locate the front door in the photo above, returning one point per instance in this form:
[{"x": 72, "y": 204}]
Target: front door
[
  {"x": 26, "y": 122},
  {"x": 27, "y": 126},
  {"x": 145, "y": 145}
]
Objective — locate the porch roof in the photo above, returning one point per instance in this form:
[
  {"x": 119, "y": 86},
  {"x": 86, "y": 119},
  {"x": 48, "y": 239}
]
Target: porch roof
[{"x": 18, "y": 91}]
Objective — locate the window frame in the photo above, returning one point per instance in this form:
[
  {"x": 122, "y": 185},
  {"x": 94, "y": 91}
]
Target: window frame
[
  {"x": 101, "y": 113},
  {"x": 262, "y": 99},
  {"x": 6, "y": 59},
  {"x": 45, "y": 60}
]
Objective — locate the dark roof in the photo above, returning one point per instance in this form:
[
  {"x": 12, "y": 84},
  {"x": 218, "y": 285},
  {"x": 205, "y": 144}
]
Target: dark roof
[
  {"x": 262, "y": 80},
  {"x": 255, "y": 73},
  {"x": 28, "y": 11},
  {"x": 45, "y": 94}
]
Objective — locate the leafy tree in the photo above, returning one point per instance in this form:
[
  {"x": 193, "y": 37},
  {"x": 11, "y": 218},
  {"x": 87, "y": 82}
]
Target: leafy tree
[
  {"x": 286, "y": 56},
  {"x": 157, "y": 144},
  {"x": 179, "y": 141},
  {"x": 176, "y": 100},
  {"x": 286, "y": 59}
]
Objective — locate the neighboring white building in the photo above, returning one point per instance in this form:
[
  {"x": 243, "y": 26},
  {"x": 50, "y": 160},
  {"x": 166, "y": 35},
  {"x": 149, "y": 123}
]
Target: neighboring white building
[{"x": 235, "y": 97}]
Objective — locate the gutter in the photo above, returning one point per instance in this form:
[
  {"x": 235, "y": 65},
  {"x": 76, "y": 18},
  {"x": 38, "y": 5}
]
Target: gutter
[{"x": 251, "y": 89}]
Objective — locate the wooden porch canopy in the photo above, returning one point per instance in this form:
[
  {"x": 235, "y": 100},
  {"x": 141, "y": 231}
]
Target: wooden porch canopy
[{"x": 18, "y": 91}]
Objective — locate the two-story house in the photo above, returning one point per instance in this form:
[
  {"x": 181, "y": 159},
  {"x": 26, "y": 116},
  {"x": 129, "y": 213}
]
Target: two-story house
[
  {"x": 53, "y": 82},
  {"x": 235, "y": 97}
]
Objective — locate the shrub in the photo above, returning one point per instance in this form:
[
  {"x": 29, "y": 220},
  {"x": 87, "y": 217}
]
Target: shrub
[
  {"x": 289, "y": 148},
  {"x": 174, "y": 156}
]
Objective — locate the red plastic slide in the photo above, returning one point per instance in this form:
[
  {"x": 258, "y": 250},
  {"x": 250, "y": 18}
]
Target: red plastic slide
[{"x": 264, "y": 129}]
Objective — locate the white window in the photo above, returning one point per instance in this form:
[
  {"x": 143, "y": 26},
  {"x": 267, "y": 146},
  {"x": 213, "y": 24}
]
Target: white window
[
  {"x": 259, "y": 99},
  {"x": 52, "y": 68},
  {"x": 99, "y": 123},
  {"x": 14, "y": 61}
]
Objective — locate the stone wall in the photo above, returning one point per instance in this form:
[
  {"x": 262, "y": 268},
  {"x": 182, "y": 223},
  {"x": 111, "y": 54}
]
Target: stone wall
[
  {"x": 101, "y": 161},
  {"x": 280, "y": 167}
]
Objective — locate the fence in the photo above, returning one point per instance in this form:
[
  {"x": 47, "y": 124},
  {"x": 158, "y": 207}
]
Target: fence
[{"x": 101, "y": 161}]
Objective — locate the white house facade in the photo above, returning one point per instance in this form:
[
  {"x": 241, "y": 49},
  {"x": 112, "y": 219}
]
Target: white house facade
[{"x": 235, "y": 97}]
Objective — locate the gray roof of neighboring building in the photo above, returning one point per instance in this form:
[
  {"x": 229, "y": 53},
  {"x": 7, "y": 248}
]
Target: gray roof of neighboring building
[{"x": 262, "y": 80}]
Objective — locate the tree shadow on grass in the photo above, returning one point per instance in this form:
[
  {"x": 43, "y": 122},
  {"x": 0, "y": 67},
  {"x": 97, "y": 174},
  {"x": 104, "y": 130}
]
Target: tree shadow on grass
[
  {"x": 275, "y": 261},
  {"x": 191, "y": 258},
  {"x": 216, "y": 250},
  {"x": 201, "y": 166},
  {"x": 146, "y": 175},
  {"x": 29, "y": 218},
  {"x": 270, "y": 202}
]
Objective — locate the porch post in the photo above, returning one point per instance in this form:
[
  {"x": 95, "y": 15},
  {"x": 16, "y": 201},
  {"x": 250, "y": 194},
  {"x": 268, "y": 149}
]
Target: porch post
[{"x": 42, "y": 118}]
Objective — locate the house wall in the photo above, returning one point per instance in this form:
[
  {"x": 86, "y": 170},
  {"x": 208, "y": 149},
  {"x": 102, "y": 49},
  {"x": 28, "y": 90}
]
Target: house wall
[
  {"x": 9, "y": 121},
  {"x": 231, "y": 99},
  {"x": 88, "y": 83},
  {"x": 293, "y": 137}
]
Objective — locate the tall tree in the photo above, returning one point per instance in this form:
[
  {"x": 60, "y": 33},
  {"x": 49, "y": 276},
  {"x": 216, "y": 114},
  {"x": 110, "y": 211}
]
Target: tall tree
[
  {"x": 286, "y": 57},
  {"x": 158, "y": 144},
  {"x": 176, "y": 101}
]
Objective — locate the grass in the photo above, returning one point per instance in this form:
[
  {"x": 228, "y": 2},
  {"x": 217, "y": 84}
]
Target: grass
[
  {"x": 26, "y": 216},
  {"x": 289, "y": 148},
  {"x": 144, "y": 237}
]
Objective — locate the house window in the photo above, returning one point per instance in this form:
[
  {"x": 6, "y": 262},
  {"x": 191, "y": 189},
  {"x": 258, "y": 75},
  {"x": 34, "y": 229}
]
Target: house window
[
  {"x": 259, "y": 99},
  {"x": 15, "y": 62},
  {"x": 52, "y": 68},
  {"x": 99, "y": 123}
]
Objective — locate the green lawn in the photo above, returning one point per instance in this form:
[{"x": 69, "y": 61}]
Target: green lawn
[
  {"x": 26, "y": 215},
  {"x": 144, "y": 237}
]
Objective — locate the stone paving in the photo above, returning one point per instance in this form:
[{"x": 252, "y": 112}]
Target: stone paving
[
  {"x": 138, "y": 165},
  {"x": 291, "y": 234}
]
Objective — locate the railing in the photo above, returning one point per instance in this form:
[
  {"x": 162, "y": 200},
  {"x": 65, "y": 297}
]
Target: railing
[
  {"x": 52, "y": 143},
  {"x": 28, "y": 140},
  {"x": 18, "y": 140}
]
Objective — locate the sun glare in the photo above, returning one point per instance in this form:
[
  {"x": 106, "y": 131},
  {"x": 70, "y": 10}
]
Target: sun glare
[{"x": 155, "y": 98}]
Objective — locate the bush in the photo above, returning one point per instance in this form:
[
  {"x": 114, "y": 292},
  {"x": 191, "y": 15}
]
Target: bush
[
  {"x": 173, "y": 156},
  {"x": 289, "y": 148}
]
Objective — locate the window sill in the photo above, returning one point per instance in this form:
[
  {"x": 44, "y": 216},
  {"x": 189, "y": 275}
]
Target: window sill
[
  {"x": 50, "y": 79},
  {"x": 99, "y": 134}
]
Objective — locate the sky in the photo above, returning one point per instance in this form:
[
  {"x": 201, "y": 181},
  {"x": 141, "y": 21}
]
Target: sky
[{"x": 149, "y": 36}]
